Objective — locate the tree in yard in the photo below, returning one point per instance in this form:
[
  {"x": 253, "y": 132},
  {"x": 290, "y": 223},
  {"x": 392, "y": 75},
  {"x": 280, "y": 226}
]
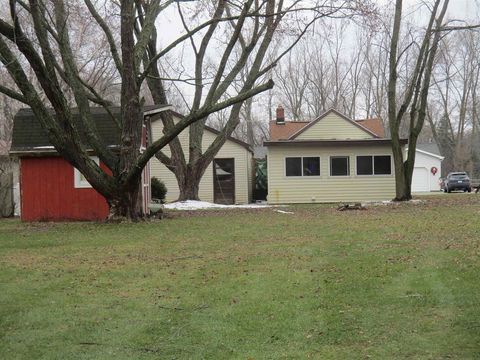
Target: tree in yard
[
  {"x": 246, "y": 54},
  {"x": 414, "y": 99},
  {"x": 453, "y": 113},
  {"x": 37, "y": 50}
]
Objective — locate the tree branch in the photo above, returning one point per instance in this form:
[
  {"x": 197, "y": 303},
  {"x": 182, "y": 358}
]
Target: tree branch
[
  {"x": 108, "y": 34},
  {"x": 184, "y": 123}
]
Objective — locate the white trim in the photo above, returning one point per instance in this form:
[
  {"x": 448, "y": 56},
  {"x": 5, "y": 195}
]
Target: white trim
[
  {"x": 158, "y": 110},
  {"x": 301, "y": 167},
  {"x": 373, "y": 166},
  {"x": 428, "y": 153},
  {"x": 330, "y": 166},
  {"x": 78, "y": 182}
]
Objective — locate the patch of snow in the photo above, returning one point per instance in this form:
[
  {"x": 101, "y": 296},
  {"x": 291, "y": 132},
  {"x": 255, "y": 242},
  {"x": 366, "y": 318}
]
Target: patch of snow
[
  {"x": 394, "y": 203},
  {"x": 417, "y": 201},
  {"x": 202, "y": 205},
  {"x": 284, "y": 212}
]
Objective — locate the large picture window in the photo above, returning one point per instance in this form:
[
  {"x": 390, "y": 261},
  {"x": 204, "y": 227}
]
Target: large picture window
[
  {"x": 339, "y": 166},
  {"x": 302, "y": 166},
  {"x": 374, "y": 165}
]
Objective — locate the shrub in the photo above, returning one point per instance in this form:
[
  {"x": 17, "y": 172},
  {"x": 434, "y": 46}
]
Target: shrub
[{"x": 159, "y": 190}]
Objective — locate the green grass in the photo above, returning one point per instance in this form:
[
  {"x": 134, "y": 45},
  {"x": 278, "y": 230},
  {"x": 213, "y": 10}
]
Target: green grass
[{"x": 390, "y": 282}]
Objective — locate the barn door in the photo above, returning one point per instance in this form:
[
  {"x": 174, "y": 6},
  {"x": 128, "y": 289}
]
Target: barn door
[{"x": 224, "y": 181}]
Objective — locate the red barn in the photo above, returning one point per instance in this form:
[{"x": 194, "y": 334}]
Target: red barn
[{"x": 51, "y": 189}]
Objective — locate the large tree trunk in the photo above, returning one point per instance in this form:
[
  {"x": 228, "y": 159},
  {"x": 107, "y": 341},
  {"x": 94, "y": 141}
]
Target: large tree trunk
[
  {"x": 189, "y": 177},
  {"x": 189, "y": 187},
  {"x": 415, "y": 97},
  {"x": 127, "y": 204}
]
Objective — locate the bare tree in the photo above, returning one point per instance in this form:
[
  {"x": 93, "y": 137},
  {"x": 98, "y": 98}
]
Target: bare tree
[
  {"x": 37, "y": 38},
  {"x": 414, "y": 100},
  {"x": 252, "y": 38}
]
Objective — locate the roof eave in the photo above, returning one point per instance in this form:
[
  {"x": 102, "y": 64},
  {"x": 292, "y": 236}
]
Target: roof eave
[
  {"x": 158, "y": 110},
  {"x": 332, "y": 142},
  {"x": 440, "y": 157},
  {"x": 214, "y": 131},
  {"x": 46, "y": 150}
]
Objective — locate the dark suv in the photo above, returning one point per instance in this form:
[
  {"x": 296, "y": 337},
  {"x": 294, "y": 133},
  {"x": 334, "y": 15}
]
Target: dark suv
[{"x": 457, "y": 181}]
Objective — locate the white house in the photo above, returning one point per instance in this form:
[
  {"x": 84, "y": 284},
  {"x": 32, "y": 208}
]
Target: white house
[{"x": 427, "y": 169}]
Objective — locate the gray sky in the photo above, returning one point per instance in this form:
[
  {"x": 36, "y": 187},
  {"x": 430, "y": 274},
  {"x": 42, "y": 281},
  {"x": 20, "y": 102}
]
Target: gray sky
[{"x": 170, "y": 27}]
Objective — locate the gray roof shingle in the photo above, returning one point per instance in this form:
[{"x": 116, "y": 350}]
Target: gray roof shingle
[
  {"x": 431, "y": 147},
  {"x": 28, "y": 134}
]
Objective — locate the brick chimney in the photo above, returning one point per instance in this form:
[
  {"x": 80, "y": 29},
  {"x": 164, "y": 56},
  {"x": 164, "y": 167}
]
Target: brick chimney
[{"x": 280, "y": 115}]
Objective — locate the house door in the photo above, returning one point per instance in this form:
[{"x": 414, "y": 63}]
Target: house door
[{"x": 224, "y": 181}]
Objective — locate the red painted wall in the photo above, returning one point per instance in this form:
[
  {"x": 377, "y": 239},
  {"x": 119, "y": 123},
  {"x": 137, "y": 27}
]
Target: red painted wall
[{"x": 48, "y": 192}]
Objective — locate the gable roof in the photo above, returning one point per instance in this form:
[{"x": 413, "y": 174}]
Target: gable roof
[
  {"x": 430, "y": 147},
  {"x": 29, "y": 136},
  {"x": 440, "y": 157},
  {"x": 213, "y": 131},
  {"x": 285, "y": 130},
  {"x": 312, "y": 123},
  {"x": 375, "y": 125}
]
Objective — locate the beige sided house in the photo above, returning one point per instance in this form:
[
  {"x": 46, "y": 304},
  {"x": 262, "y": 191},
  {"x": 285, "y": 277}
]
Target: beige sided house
[
  {"x": 330, "y": 159},
  {"x": 227, "y": 180}
]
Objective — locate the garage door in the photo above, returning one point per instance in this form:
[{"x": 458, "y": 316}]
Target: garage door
[{"x": 420, "y": 180}]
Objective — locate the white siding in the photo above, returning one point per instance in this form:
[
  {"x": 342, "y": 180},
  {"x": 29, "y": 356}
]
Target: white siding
[
  {"x": 422, "y": 178},
  {"x": 326, "y": 188},
  {"x": 229, "y": 150}
]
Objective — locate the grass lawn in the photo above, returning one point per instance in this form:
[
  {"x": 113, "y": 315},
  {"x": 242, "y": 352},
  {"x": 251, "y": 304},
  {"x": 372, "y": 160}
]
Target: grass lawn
[{"x": 390, "y": 282}]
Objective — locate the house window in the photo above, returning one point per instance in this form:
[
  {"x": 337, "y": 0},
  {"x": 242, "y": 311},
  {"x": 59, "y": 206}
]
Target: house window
[
  {"x": 311, "y": 166},
  {"x": 374, "y": 165},
  {"x": 302, "y": 166},
  {"x": 79, "y": 179},
  {"x": 364, "y": 165},
  {"x": 293, "y": 166},
  {"x": 339, "y": 166},
  {"x": 382, "y": 165}
]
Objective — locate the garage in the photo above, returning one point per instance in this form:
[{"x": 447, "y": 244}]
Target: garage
[
  {"x": 420, "y": 180},
  {"x": 426, "y": 171}
]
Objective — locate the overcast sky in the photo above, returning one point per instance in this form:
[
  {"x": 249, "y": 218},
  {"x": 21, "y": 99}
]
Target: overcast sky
[
  {"x": 469, "y": 10},
  {"x": 170, "y": 27}
]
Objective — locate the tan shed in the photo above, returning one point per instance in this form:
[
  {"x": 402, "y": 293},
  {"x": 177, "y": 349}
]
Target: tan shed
[{"x": 227, "y": 180}]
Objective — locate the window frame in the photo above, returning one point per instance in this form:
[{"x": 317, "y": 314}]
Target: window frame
[
  {"x": 78, "y": 183},
  {"x": 339, "y": 157},
  {"x": 301, "y": 167},
  {"x": 373, "y": 165}
]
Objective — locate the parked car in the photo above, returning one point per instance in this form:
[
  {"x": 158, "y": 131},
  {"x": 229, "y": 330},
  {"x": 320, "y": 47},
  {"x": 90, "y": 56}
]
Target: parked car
[{"x": 457, "y": 181}]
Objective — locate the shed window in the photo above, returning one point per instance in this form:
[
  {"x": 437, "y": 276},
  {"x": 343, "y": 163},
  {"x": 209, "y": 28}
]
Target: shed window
[
  {"x": 339, "y": 166},
  {"x": 374, "y": 165},
  {"x": 293, "y": 166},
  {"x": 79, "y": 179}
]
